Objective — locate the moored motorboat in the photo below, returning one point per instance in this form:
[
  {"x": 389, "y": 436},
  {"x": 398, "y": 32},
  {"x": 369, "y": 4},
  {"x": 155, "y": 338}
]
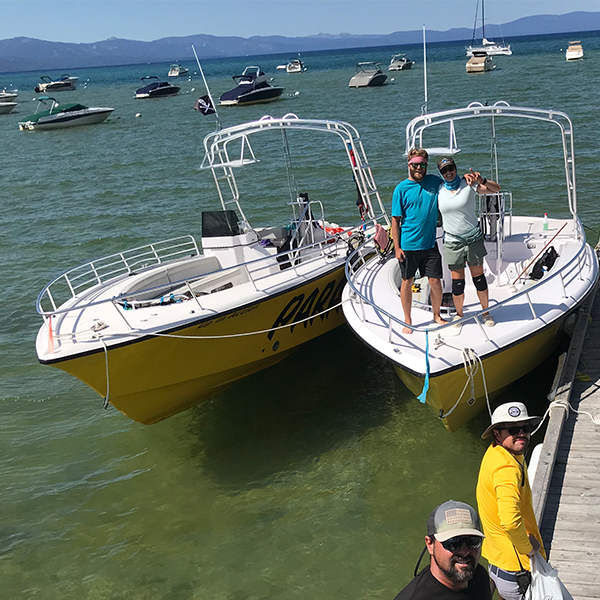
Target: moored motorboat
[
  {"x": 368, "y": 74},
  {"x": 156, "y": 88},
  {"x": 49, "y": 85},
  {"x": 8, "y": 95},
  {"x": 295, "y": 65},
  {"x": 59, "y": 116},
  {"x": 479, "y": 63},
  {"x": 252, "y": 88},
  {"x": 7, "y": 107},
  {"x": 176, "y": 70},
  {"x": 539, "y": 271},
  {"x": 490, "y": 47},
  {"x": 574, "y": 51},
  {"x": 159, "y": 328},
  {"x": 399, "y": 62}
]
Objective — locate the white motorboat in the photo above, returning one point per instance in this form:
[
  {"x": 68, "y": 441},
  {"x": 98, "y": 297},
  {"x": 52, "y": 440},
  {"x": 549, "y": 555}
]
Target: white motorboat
[
  {"x": 490, "y": 47},
  {"x": 539, "y": 271},
  {"x": 48, "y": 85},
  {"x": 157, "y": 329},
  {"x": 8, "y": 95},
  {"x": 574, "y": 51},
  {"x": 368, "y": 74},
  {"x": 7, "y": 107},
  {"x": 177, "y": 71},
  {"x": 295, "y": 65},
  {"x": 399, "y": 62},
  {"x": 59, "y": 116},
  {"x": 480, "y": 62}
]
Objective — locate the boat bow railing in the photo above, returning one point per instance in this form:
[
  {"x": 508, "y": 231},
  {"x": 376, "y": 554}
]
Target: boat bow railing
[
  {"x": 76, "y": 281},
  {"x": 89, "y": 275},
  {"x": 361, "y": 256}
]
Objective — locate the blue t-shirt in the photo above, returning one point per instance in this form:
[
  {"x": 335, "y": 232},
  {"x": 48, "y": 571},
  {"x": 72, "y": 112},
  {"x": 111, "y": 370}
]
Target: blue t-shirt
[{"x": 416, "y": 204}]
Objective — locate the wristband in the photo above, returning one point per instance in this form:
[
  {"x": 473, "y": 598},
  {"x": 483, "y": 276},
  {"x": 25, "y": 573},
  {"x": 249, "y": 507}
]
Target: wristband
[{"x": 484, "y": 181}]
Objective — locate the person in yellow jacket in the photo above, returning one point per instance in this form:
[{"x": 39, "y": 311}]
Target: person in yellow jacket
[{"x": 504, "y": 501}]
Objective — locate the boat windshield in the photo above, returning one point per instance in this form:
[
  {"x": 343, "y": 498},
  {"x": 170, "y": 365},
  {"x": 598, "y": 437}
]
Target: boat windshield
[{"x": 368, "y": 67}]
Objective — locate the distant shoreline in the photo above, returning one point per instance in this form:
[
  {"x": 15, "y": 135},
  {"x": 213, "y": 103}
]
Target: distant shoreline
[{"x": 19, "y": 55}]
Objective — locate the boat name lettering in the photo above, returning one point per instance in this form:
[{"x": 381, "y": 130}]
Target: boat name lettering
[
  {"x": 302, "y": 307},
  {"x": 237, "y": 313}
]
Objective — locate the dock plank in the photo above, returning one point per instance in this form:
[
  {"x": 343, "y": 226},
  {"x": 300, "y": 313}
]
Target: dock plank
[{"x": 567, "y": 493}]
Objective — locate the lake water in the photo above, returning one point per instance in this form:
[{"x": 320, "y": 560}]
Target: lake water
[{"x": 312, "y": 479}]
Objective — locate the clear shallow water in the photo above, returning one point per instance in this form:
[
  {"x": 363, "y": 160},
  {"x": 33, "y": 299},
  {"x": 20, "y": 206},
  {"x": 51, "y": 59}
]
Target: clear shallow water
[{"x": 311, "y": 479}]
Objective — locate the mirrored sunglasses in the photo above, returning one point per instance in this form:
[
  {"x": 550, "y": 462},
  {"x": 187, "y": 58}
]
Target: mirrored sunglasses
[
  {"x": 421, "y": 165},
  {"x": 473, "y": 542}
]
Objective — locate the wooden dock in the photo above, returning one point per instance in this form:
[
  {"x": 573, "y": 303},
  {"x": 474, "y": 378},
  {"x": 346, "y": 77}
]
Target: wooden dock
[{"x": 566, "y": 488}]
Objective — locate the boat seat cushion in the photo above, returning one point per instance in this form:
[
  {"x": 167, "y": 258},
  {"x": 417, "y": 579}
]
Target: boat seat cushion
[{"x": 168, "y": 274}]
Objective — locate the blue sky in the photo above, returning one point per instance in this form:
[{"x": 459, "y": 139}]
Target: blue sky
[{"x": 94, "y": 20}]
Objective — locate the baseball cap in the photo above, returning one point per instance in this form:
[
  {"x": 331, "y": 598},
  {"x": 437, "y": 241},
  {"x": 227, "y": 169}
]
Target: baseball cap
[
  {"x": 511, "y": 412},
  {"x": 453, "y": 518},
  {"x": 444, "y": 162}
]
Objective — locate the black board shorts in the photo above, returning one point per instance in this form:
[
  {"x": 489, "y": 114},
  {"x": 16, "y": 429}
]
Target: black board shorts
[{"x": 428, "y": 262}]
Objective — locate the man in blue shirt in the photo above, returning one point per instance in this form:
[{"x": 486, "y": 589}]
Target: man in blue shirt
[{"x": 414, "y": 222}]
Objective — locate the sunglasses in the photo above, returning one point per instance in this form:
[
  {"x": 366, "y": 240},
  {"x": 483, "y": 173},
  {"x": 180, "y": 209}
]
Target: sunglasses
[
  {"x": 447, "y": 170},
  {"x": 516, "y": 429},
  {"x": 473, "y": 542},
  {"x": 418, "y": 165}
]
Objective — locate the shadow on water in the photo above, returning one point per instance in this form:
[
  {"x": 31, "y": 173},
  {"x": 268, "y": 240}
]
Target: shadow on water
[
  {"x": 328, "y": 394},
  {"x": 330, "y": 391}
]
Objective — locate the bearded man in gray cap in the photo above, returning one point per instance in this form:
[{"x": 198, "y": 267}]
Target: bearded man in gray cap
[
  {"x": 453, "y": 541},
  {"x": 505, "y": 503}
]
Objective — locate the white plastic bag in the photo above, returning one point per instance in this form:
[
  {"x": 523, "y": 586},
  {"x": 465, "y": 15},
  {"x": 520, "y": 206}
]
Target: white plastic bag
[{"x": 545, "y": 584}]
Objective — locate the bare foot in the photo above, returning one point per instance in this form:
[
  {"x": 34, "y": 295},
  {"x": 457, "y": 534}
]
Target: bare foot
[
  {"x": 439, "y": 320},
  {"x": 407, "y": 330}
]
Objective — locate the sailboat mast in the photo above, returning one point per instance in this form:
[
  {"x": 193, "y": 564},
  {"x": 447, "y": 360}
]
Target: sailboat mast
[{"x": 483, "y": 19}]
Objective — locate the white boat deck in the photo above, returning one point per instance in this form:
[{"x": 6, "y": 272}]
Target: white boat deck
[
  {"x": 237, "y": 287},
  {"x": 380, "y": 317}
]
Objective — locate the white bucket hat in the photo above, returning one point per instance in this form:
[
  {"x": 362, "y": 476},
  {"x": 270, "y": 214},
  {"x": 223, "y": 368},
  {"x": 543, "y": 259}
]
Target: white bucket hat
[{"x": 511, "y": 412}]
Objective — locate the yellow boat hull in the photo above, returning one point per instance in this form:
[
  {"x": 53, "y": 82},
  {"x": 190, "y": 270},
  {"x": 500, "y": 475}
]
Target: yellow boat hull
[
  {"x": 156, "y": 377},
  {"x": 500, "y": 369}
]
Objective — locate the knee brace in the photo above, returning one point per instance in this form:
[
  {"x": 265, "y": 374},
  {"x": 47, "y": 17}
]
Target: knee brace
[
  {"x": 480, "y": 283},
  {"x": 458, "y": 287}
]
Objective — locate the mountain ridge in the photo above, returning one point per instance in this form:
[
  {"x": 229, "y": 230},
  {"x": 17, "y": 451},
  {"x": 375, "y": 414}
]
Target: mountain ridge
[{"x": 27, "y": 54}]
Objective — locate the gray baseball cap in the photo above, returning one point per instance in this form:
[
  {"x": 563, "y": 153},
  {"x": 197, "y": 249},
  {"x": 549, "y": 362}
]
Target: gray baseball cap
[{"x": 453, "y": 518}]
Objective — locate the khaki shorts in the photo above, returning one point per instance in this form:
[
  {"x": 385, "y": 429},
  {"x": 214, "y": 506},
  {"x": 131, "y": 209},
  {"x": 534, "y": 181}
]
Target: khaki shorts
[
  {"x": 457, "y": 254},
  {"x": 506, "y": 583}
]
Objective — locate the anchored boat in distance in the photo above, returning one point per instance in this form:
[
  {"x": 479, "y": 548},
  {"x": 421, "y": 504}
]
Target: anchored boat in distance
[{"x": 60, "y": 116}]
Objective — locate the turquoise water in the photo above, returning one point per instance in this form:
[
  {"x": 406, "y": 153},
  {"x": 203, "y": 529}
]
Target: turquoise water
[{"x": 311, "y": 479}]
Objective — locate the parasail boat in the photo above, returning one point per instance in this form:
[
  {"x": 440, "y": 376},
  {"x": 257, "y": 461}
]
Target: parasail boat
[
  {"x": 157, "y": 329},
  {"x": 539, "y": 271}
]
